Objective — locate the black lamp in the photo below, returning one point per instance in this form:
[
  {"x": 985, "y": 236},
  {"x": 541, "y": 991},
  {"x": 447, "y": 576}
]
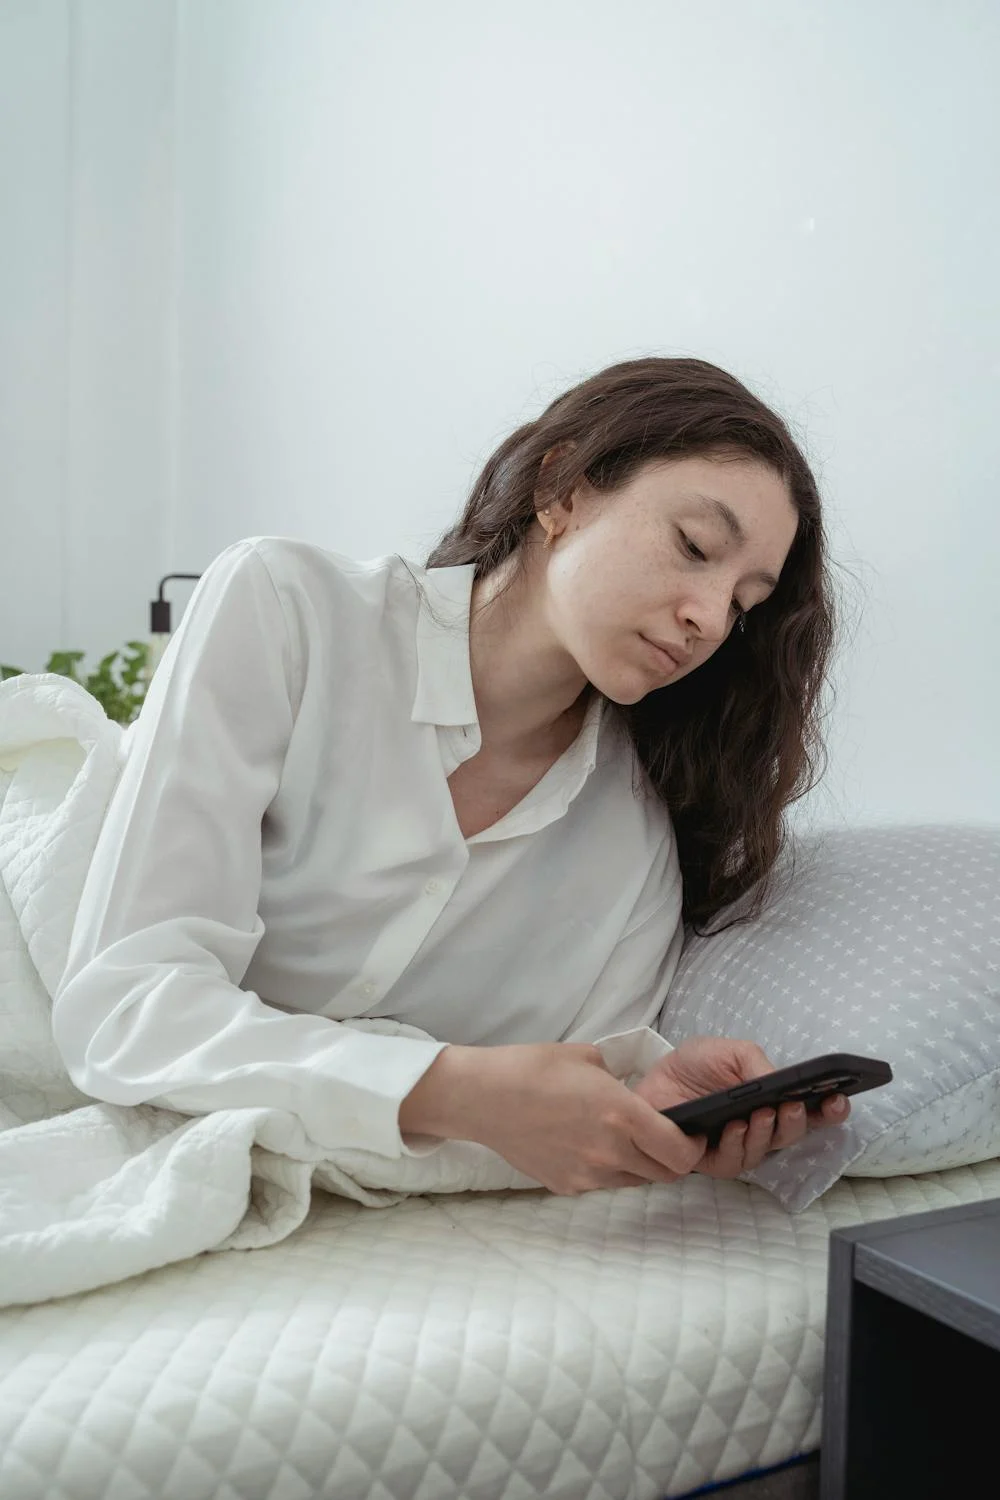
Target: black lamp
[
  {"x": 159, "y": 609},
  {"x": 159, "y": 622}
]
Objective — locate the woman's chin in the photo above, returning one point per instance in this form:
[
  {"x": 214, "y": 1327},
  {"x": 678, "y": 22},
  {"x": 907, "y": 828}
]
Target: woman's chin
[{"x": 624, "y": 688}]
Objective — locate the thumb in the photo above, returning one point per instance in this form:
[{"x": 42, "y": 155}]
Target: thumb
[
  {"x": 664, "y": 1141},
  {"x": 749, "y": 1060}
]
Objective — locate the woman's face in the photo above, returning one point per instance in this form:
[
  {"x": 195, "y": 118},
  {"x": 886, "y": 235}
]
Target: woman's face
[{"x": 657, "y": 565}]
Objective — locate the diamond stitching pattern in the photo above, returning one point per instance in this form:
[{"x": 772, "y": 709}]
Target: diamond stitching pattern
[{"x": 632, "y": 1344}]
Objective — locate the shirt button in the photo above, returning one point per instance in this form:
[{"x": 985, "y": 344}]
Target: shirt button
[
  {"x": 432, "y": 887},
  {"x": 368, "y": 989}
]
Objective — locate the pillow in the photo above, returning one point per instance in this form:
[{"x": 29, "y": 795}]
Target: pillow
[{"x": 882, "y": 941}]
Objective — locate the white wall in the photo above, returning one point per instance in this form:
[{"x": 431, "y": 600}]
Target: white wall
[
  {"x": 298, "y": 268},
  {"x": 88, "y": 324}
]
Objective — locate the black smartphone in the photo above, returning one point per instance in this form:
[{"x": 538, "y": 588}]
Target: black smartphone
[{"x": 805, "y": 1083}]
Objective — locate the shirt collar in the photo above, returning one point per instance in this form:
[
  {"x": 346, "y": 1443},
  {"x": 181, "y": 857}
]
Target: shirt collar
[
  {"x": 445, "y": 697},
  {"x": 444, "y": 693},
  {"x": 561, "y": 784}
]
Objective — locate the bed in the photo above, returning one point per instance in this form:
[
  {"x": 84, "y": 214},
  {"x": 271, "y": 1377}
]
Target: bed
[{"x": 642, "y": 1343}]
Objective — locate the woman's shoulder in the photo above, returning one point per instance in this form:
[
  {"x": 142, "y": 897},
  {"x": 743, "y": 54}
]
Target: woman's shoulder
[
  {"x": 289, "y": 559},
  {"x": 335, "y": 608},
  {"x": 323, "y": 582}
]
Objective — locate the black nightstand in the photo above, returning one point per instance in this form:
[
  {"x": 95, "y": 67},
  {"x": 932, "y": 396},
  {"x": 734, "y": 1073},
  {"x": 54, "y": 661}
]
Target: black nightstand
[{"x": 911, "y": 1387}]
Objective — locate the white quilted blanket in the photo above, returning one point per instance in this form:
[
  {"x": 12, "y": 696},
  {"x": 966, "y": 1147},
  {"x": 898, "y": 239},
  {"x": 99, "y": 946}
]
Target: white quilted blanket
[{"x": 92, "y": 1193}]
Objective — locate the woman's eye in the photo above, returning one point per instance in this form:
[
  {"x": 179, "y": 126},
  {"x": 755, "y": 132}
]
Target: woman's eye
[
  {"x": 696, "y": 552},
  {"x": 692, "y": 549}
]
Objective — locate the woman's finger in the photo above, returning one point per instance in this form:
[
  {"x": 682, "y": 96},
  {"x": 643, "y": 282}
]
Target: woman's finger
[
  {"x": 727, "y": 1158},
  {"x": 791, "y": 1127},
  {"x": 833, "y": 1111},
  {"x": 759, "y": 1138},
  {"x": 749, "y": 1060}
]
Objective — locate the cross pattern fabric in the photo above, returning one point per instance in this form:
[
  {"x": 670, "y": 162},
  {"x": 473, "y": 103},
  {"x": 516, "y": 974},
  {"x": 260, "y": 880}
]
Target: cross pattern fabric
[{"x": 879, "y": 941}]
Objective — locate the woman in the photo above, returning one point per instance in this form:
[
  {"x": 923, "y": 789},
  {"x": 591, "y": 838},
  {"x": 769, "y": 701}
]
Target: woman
[{"x": 463, "y": 797}]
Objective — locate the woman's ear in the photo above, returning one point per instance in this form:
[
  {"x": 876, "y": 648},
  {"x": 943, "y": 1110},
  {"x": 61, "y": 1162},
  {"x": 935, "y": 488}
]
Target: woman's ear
[{"x": 545, "y": 488}]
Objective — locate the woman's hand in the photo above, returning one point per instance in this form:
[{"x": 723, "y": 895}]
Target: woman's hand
[
  {"x": 703, "y": 1064},
  {"x": 554, "y": 1111}
]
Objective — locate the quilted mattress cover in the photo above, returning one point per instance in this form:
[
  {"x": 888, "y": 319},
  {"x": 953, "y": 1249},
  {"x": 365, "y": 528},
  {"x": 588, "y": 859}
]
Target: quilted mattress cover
[{"x": 633, "y": 1344}]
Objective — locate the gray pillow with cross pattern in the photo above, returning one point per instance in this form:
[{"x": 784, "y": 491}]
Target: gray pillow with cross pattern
[{"x": 881, "y": 941}]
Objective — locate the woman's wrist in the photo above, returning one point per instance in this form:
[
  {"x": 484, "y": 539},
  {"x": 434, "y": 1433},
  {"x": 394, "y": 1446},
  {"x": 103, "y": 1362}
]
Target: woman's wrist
[
  {"x": 467, "y": 1091},
  {"x": 438, "y": 1102}
]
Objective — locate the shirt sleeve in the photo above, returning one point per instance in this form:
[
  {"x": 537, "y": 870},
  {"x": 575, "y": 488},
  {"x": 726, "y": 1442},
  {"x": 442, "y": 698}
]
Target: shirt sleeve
[{"x": 150, "y": 1007}]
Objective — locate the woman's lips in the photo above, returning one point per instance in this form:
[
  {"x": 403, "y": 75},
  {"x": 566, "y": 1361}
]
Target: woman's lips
[{"x": 661, "y": 655}]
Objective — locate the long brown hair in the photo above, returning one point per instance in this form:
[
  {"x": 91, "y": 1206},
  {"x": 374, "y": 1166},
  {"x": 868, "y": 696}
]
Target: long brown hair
[{"x": 728, "y": 747}]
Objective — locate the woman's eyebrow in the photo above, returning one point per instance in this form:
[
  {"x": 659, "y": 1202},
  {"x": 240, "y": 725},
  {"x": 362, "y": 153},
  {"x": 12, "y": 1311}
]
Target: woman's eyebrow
[{"x": 712, "y": 506}]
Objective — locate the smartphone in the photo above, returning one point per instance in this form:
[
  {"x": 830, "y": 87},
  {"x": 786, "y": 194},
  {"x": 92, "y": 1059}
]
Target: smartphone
[{"x": 805, "y": 1083}]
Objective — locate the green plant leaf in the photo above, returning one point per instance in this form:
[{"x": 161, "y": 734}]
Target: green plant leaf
[
  {"x": 135, "y": 664},
  {"x": 64, "y": 663},
  {"x": 121, "y": 700}
]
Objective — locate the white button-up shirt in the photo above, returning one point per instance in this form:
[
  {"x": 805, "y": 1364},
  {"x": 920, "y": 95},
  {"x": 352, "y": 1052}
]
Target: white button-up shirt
[{"x": 282, "y": 854}]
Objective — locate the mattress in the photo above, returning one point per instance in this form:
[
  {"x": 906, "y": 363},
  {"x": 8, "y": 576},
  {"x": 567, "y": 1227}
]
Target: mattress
[{"x": 640, "y": 1343}]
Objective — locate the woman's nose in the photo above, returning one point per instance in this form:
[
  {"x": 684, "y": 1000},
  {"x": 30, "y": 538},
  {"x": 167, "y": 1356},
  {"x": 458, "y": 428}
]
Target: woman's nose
[{"x": 709, "y": 620}]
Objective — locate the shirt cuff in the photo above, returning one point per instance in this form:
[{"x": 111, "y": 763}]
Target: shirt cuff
[
  {"x": 355, "y": 1103},
  {"x": 629, "y": 1055}
]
